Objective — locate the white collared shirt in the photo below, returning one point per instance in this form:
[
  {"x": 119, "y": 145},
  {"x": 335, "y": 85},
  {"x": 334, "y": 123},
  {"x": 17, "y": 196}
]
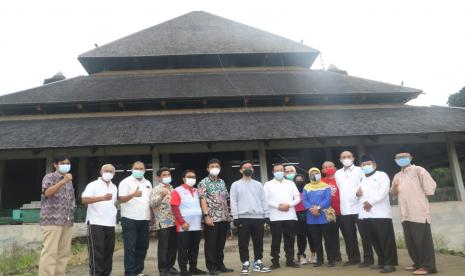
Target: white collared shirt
[
  {"x": 103, "y": 212},
  {"x": 375, "y": 190},
  {"x": 347, "y": 180},
  {"x": 137, "y": 208},
  {"x": 281, "y": 192}
]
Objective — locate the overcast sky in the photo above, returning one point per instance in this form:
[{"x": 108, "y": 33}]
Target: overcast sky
[{"x": 421, "y": 43}]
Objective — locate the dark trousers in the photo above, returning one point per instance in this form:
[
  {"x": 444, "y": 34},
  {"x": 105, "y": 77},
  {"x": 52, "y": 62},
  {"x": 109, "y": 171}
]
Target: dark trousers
[
  {"x": 101, "y": 244},
  {"x": 283, "y": 229},
  {"x": 419, "y": 241},
  {"x": 349, "y": 232},
  {"x": 332, "y": 242},
  {"x": 136, "y": 243},
  {"x": 303, "y": 236},
  {"x": 250, "y": 228},
  {"x": 364, "y": 228},
  {"x": 384, "y": 240},
  {"x": 318, "y": 232},
  {"x": 167, "y": 245},
  {"x": 215, "y": 239},
  {"x": 188, "y": 249}
]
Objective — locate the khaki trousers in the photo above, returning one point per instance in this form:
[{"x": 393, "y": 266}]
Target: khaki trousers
[{"x": 56, "y": 250}]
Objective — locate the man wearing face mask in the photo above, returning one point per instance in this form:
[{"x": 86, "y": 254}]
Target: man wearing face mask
[
  {"x": 249, "y": 209},
  {"x": 375, "y": 215},
  {"x": 214, "y": 202},
  {"x": 282, "y": 196},
  {"x": 134, "y": 195},
  {"x": 160, "y": 201},
  {"x": 412, "y": 186},
  {"x": 56, "y": 217},
  {"x": 329, "y": 170},
  {"x": 303, "y": 236},
  {"x": 290, "y": 172},
  {"x": 185, "y": 203},
  {"x": 347, "y": 180},
  {"x": 100, "y": 197},
  {"x": 317, "y": 198}
]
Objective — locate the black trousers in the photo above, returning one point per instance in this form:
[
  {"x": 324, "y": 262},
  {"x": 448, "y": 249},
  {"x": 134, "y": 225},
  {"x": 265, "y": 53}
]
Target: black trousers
[
  {"x": 349, "y": 232},
  {"x": 215, "y": 239},
  {"x": 303, "y": 236},
  {"x": 332, "y": 242},
  {"x": 167, "y": 245},
  {"x": 136, "y": 243},
  {"x": 283, "y": 229},
  {"x": 364, "y": 228},
  {"x": 250, "y": 228},
  {"x": 384, "y": 240},
  {"x": 101, "y": 244},
  {"x": 419, "y": 241},
  {"x": 188, "y": 249},
  {"x": 318, "y": 232}
]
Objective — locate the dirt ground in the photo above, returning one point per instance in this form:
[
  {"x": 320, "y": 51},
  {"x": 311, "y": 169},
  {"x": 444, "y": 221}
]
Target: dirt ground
[{"x": 447, "y": 265}]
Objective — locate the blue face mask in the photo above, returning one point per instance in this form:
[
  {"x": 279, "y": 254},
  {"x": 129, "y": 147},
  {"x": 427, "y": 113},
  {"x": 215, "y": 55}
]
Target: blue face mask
[
  {"x": 138, "y": 173},
  {"x": 368, "y": 169},
  {"x": 278, "y": 175},
  {"x": 402, "y": 162},
  {"x": 64, "y": 168}
]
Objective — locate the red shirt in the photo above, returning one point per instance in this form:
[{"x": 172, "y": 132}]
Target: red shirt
[{"x": 334, "y": 194}]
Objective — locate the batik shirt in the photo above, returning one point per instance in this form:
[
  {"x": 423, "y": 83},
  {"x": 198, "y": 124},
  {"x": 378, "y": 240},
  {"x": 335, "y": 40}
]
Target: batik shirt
[
  {"x": 216, "y": 194},
  {"x": 161, "y": 206},
  {"x": 59, "y": 208}
]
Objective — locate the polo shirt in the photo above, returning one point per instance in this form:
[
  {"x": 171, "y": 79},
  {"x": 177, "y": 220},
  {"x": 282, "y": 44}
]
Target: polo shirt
[
  {"x": 137, "y": 208},
  {"x": 101, "y": 213}
]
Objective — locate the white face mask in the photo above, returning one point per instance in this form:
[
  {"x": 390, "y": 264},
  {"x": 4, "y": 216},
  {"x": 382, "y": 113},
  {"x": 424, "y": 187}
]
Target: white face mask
[
  {"x": 347, "y": 162},
  {"x": 190, "y": 182},
  {"x": 215, "y": 171},
  {"x": 166, "y": 180},
  {"x": 106, "y": 176}
]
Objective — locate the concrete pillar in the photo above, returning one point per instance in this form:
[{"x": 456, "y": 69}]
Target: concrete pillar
[
  {"x": 82, "y": 180},
  {"x": 155, "y": 165},
  {"x": 2, "y": 180},
  {"x": 455, "y": 170},
  {"x": 262, "y": 160}
]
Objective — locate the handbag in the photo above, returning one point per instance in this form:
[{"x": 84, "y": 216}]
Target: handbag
[{"x": 330, "y": 214}]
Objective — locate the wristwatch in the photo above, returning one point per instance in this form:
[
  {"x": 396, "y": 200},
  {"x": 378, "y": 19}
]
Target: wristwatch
[{"x": 206, "y": 215}]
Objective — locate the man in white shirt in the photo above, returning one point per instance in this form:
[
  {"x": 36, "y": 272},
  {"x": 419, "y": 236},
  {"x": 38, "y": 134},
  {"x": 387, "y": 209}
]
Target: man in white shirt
[
  {"x": 375, "y": 212},
  {"x": 282, "y": 196},
  {"x": 100, "y": 197},
  {"x": 134, "y": 195},
  {"x": 347, "y": 180}
]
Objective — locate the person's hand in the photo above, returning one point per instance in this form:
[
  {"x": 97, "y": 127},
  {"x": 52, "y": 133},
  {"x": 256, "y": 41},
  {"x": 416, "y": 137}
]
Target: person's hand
[
  {"x": 107, "y": 196},
  {"x": 284, "y": 207},
  {"x": 164, "y": 193},
  {"x": 209, "y": 221},
  {"x": 229, "y": 218},
  {"x": 236, "y": 222},
  {"x": 152, "y": 221},
  {"x": 68, "y": 177},
  {"x": 185, "y": 226},
  {"x": 137, "y": 193},
  {"x": 359, "y": 192},
  {"x": 367, "y": 206},
  {"x": 314, "y": 211}
]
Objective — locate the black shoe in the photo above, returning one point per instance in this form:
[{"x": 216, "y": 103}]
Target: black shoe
[
  {"x": 173, "y": 271},
  {"x": 275, "y": 265},
  {"x": 365, "y": 264},
  {"x": 317, "y": 264},
  {"x": 292, "y": 264},
  {"x": 214, "y": 272},
  {"x": 350, "y": 263},
  {"x": 377, "y": 267},
  {"x": 331, "y": 264},
  {"x": 224, "y": 269},
  {"x": 165, "y": 273},
  {"x": 196, "y": 271},
  {"x": 388, "y": 269},
  {"x": 185, "y": 273}
]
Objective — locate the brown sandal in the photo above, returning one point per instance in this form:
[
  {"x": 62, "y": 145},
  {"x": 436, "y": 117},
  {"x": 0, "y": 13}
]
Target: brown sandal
[{"x": 421, "y": 271}]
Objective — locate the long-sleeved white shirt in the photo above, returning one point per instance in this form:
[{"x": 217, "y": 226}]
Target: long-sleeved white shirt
[
  {"x": 375, "y": 190},
  {"x": 281, "y": 192},
  {"x": 347, "y": 180}
]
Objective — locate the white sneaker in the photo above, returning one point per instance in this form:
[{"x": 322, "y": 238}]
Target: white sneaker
[
  {"x": 312, "y": 258},
  {"x": 303, "y": 260},
  {"x": 245, "y": 268},
  {"x": 258, "y": 266}
]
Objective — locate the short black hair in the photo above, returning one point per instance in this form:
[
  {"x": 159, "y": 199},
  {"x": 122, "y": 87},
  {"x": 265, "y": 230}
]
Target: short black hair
[
  {"x": 163, "y": 169},
  {"x": 278, "y": 164},
  {"x": 298, "y": 175},
  {"x": 187, "y": 171},
  {"x": 245, "y": 162},
  {"x": 60, "y": 158},
  {"x": 213, "y": 161}
]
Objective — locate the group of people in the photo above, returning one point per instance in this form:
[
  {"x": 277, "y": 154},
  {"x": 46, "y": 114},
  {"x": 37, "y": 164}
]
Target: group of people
[{"x": 350, "y": 200}]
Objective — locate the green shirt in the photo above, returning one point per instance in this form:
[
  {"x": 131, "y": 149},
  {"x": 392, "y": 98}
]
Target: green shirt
[{"x": 216, "y": 194}]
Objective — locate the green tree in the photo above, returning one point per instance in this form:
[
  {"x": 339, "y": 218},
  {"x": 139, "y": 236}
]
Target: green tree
[{"x": 457, "y": 99}]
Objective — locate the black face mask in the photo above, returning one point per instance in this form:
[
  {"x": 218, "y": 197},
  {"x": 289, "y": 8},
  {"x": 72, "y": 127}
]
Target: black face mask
[
  {"x": 300, "y": 185},
  {"x": 247, "y": 172}
]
